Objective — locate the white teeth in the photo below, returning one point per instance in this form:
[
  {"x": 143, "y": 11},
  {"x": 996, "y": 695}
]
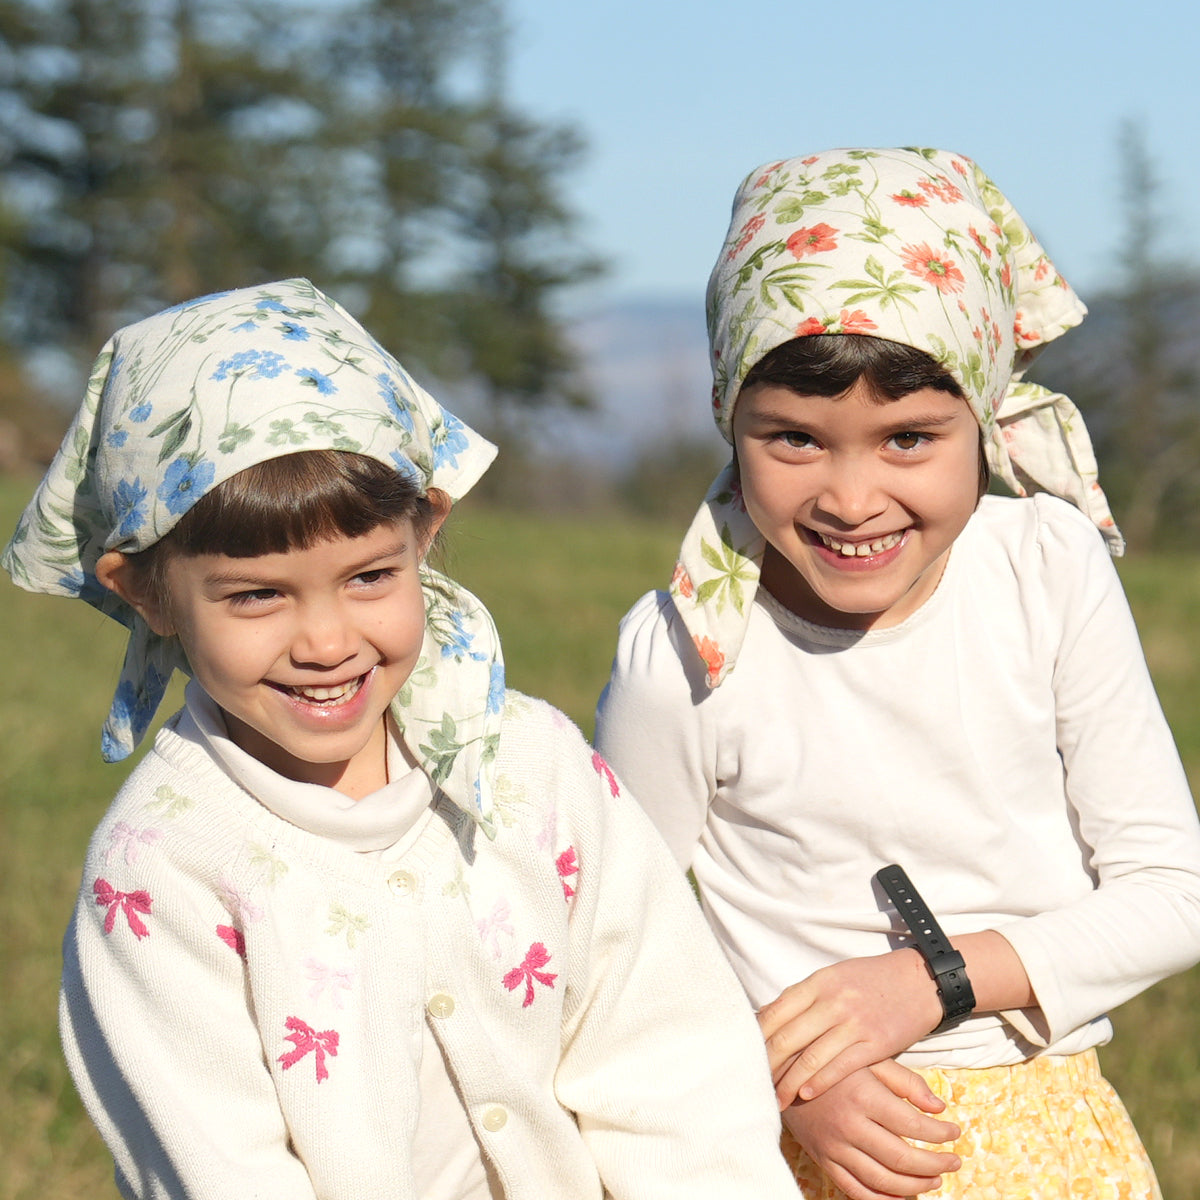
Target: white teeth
[
  {"x": 862, "y": 549},
  {"x": 326, "y": 695}
]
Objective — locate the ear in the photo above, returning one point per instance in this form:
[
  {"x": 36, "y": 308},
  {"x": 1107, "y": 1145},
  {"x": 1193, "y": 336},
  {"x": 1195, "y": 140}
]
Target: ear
[
  {"x": 442, "y": 504},
  {"x": 115, "y": 571}
]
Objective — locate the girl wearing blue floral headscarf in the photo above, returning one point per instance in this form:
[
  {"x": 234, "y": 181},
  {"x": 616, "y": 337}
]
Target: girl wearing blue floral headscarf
[{"x": 362, "y": 922}]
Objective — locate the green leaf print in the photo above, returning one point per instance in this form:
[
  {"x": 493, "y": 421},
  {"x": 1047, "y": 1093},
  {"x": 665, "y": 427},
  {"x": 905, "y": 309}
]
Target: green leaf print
[
  {"x": 732, "y": 570},
  {"x": 881, "y": 287}
]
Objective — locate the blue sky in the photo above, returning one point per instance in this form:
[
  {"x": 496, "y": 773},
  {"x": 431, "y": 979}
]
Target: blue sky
[{"x": 678, "y": 99}]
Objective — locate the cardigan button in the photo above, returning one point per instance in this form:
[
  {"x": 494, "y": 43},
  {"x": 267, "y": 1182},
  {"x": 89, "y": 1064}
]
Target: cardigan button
[
  {"x": 495, "y": 1119},
  {"x": 441, "y": 1005},
  {"x": 402, "y": 883}
]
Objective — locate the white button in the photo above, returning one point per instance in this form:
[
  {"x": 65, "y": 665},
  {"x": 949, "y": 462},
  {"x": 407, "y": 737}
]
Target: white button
[
  {"x": 495, "y": 1119},
  {"x": 403, "y": 883},
  {"x": 440, "y": 1005}
]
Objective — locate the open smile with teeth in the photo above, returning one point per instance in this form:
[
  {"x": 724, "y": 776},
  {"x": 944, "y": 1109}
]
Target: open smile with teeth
[
  {"x": 862, "y": 549},
  {"x": 327, "y": 696}
]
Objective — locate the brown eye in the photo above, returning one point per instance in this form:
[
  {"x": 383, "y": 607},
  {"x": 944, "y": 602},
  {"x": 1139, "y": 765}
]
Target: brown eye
[{"x": 908, "y": 441}]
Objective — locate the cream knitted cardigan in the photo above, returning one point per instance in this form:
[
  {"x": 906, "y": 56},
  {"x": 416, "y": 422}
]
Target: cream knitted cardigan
[{"x": 243, "y": 1001}]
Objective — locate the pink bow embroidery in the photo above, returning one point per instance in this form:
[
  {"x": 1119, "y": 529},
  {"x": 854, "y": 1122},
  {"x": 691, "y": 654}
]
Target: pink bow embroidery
[
  {"x": 123, "y": 837},
  {"x": 602, "y": 768},
  {"x": 567, "y": 864},
  {"x": 233, "y": 938},
  {"x": 308, "y": 1041},
  {"x": 491, "y": 927},
  {"x": 527, "y": 972},
  {"x": 130, "y": 903},
  {"x": 324, "y": 978}
]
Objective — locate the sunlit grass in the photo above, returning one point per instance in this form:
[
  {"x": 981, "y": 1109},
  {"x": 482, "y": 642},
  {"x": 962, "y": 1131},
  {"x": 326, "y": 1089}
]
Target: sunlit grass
[{"x": 557, "y": 589}]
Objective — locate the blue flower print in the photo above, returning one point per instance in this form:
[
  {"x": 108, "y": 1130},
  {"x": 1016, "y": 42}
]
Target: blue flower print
[
  {"x": 449, "y": 439},
  {"x": 184, "y": 483},
  {"x": 495, "y": 696},
  {"x": 390, "y": 392},
  {"x": 406, "y": 467},
  {"x": 317, "y": 379},
  {"x": 256, "y": 364},
  {"x": 247, "y": 326},
  {"x": 118, "y": 438},
  {"x": 293, "y": 332},
  {"x": 129, "y": 506},
  {"x": 459, "y": 644},
  {"x": 266, "y": 304},
  {"x": 140, "y": 413}
]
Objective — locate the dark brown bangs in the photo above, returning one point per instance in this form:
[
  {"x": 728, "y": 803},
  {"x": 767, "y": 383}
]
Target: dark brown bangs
[
  {"x": 829, "y": 364},
  {"x": 295, "y": 501}
]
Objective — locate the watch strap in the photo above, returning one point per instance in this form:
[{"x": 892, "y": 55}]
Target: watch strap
[{"x": 945, "y": 963}]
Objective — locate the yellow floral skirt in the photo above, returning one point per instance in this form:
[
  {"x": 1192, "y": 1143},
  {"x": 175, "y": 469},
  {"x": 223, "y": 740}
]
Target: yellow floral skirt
[{"x": 1048, "y": 1129}]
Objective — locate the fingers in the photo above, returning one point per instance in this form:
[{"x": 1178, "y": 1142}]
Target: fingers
[
  {"x": 868, "y": 1160},
  {"x": 819, "y": 1067},
  {"x": 908, "y": 1085}
]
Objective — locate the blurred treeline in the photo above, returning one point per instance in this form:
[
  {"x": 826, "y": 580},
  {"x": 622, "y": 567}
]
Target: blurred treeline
[
  {"x": 1133, "y": 367},
  {"x": 156, "y": 150}
]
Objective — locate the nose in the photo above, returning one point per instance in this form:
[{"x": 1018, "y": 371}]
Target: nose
[
  {"x": 852, "y": 492},
  {"x": 323, "y": 636}
]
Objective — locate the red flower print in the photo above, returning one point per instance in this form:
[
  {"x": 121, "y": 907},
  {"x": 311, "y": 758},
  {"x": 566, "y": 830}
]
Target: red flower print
[
  {"x": 768, "y": 172},
  {"x": 949, "y": 192},
  {"x": 308, "y": 1041},
  {"x": 808, "y": 162},
  {"x": 959, "y": 167},
  {"x": 910, "y": 199},
  {"x": 933, "y": 266},
  {"x": 856, "y": 321},
  {"x": 1006, "y": 275},
  {"x": 602, "y": 768},
  {"x": 1041, "y": 270},
  {"x": 813, "y": 325},
  {"x": 528, "y": 972},
  {"x": 233, "y": 938},
  {"x": 747, "y": 231},
  {"x": 813, "y": 240},
  {"x": 682, "y": 581},
  {"x": 977, "y": 334},
  {"x": 983, "y": 246},
  {"x": 567, "y": 864},
  {"x": 130, "y": 903},
  {"x": 1021, "y": 334},
  {"x": 710, "y": 654}
]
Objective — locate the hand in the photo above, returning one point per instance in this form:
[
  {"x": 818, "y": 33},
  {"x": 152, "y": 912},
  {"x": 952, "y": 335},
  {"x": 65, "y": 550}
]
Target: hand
[
  {"x": 845, "y": 1017},
  {"x": 855, "y": 1133}
]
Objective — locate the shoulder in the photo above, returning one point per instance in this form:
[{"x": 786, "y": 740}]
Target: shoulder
[
  {"x": 655, "y": 649},
  {"x": 1043, "y": 554},
  {"x": 1042, "y": 524}
]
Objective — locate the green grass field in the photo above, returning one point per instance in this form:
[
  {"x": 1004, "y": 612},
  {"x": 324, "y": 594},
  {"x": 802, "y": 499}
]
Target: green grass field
[{"x": 557, "y": 589}]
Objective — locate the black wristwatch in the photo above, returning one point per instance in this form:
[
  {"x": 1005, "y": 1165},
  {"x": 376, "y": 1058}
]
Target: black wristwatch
[{"x": 945, "y": 963}]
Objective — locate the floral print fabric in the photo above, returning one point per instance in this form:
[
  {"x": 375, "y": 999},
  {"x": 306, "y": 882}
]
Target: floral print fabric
[
  {"x": 1068, "y": 1138},
  {"x": 184, "y": 400},
  {"x": 916, "y": 246}
]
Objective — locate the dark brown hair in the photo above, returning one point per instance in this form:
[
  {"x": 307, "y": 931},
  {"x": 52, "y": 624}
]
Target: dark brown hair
[
  {"x": 288, "y": 503},
  {"x": 830, "y": 364}
]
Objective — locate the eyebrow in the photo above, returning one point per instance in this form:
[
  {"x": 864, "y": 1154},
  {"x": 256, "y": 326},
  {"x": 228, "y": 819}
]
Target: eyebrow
[
  {"x": 234, "y": 578},
  {"x": 929, "y": 420}
]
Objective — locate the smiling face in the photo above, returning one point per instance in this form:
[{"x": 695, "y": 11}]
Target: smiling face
[
  {"x": 305, "y": 649},
  {"x": 859, "y": 501}
]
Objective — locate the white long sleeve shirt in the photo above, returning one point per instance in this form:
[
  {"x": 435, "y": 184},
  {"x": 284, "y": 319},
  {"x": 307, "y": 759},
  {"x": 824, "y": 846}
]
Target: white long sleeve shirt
[
  {"x": 1004, "y": 745},
  {"x": 245, "y": 1000}
]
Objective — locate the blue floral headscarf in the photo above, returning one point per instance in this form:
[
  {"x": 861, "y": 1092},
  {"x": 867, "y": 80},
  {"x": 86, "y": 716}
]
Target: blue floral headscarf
[{"x": 186, "y": 399}]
